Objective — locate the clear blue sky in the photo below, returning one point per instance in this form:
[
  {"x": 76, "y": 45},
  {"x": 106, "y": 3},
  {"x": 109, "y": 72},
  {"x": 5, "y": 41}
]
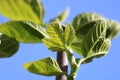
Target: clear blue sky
[{"x": 105, "y": 68}]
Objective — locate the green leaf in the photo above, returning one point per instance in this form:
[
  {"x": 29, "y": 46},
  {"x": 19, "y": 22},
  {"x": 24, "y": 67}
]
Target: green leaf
[
  {"x": 37, "y": 7},
  {"x": 26, "y": 32},
  {"x": 82, "y": 19},
  {"x": 82, "y": 24},
  {"x": 59, "y": 39},
  {"x": 31, "y": 10},
  {"x": 100, "y": 49},
  {"x": 62, "y": 16},
  {"x": 93, "y": 37},
  {"x": 8, "y": 46},
  {"x": 55, "y": 40},
  {"x": 77, "y": 48},
  {"x": 81, "y": 33},
  {"x": 113, "y": 29},
  {"x": 94, "y": 43},
  {"x": 69, "y": 34},
  {"x": 47, "y": 67},
  {"x": 53, "y": 44}
]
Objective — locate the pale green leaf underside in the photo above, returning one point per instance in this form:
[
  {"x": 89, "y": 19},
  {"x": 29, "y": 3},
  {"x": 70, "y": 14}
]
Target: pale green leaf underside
[
  {"x": 85, "y": 21},
  {"x": 81, "y": 33},
  {"x": 23, "y": 31},
  {"x": 62, "y": 16},
  {"x": 93, "y": 37},
  {"x": 8, "y": 46},
  {"x": 46, "y": 67},
  {"x": 82, "y": 23},
  {"x": 100, "y": 49},
  {"x": 30, "y": 10}
]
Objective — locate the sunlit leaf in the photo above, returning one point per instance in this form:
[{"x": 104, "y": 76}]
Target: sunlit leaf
[
  {"x": 69, "y": 34},
  {"x": 55, "y": 40},
  {"x": 53, "y": 44},
  {"x": 59, "y": 39},
  {"x": 47, "y": 66},
  {"x": 23, "y": 31},
  {"x": 37, "y": 7},
  {"x": 31, "y": 10},
  {"x": 8, "y": 46}
]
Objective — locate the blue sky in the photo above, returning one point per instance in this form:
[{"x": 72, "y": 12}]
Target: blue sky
[{"x": 107, "y": 67}]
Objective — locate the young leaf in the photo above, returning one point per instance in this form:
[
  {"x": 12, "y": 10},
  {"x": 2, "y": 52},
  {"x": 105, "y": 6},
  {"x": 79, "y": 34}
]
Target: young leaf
[
  {"x": 93, "y": 37},
  {"x": 53, "y": 44},
  {"x": 47, "y": 67},
  {"x": 8, "y": 46},
  {"x": 69, "y": 34},
  {"x": 62, "y": 16},
  {"x": 26, "y": 32},
  {"x": 59, "y": 39},
  {"x": 55, "y": 41},
  {"x": 31, "y": 10},
  {"x": 113, "y": 29}
]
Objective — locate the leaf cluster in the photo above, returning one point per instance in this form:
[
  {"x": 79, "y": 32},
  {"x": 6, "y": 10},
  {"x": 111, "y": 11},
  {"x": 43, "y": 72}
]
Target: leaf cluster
[{"x": 89, "y": 35}]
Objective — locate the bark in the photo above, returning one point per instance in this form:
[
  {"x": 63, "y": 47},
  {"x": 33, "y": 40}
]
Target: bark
[{"x": 63, "y": 63}]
